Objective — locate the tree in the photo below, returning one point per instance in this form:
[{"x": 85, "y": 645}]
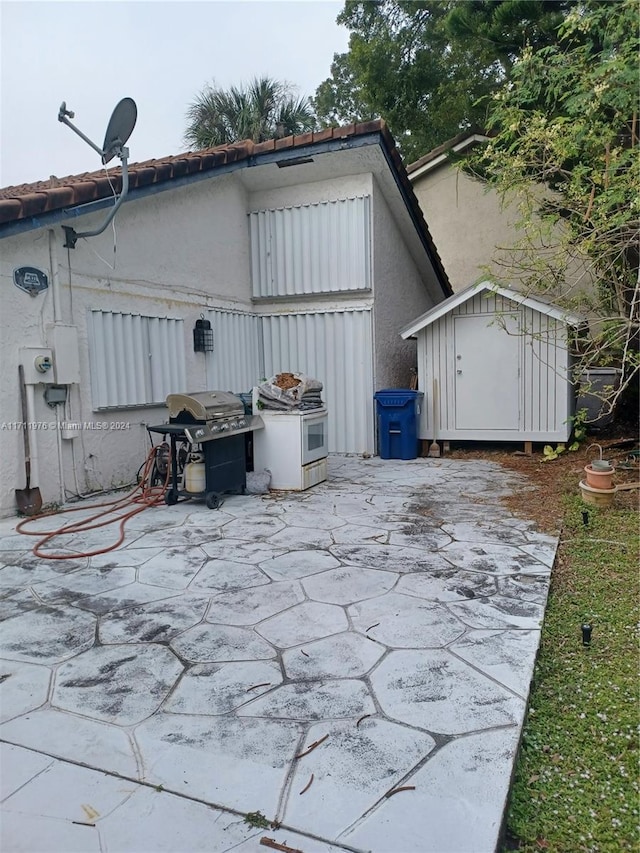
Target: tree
[
  {"x": 566, "y": 148},
  {"x": 264, "y": 109},
  {"x": 501, "y": 29},
  {"x": 429, "y": 67}
]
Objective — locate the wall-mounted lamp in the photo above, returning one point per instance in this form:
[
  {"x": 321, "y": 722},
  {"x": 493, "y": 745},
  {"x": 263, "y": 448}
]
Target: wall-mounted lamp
[{"x": 202, "y": 336}]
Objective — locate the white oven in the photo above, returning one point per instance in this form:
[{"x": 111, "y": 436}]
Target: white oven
[{"x": 294, "y": 447}]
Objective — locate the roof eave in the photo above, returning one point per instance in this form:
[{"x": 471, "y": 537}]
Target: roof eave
[{"x": 429, "y": 317}]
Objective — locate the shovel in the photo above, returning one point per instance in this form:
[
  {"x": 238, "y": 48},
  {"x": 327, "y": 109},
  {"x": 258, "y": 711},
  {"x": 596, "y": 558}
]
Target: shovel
[{"x": 29, "y": 499}]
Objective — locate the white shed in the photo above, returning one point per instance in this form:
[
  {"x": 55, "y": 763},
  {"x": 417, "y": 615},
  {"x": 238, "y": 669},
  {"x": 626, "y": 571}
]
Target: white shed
[{"x": 501, "y": 364}]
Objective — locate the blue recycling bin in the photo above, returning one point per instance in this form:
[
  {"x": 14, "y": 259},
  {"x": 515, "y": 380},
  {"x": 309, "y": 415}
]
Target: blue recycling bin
[{"x": 397, "y": 411}]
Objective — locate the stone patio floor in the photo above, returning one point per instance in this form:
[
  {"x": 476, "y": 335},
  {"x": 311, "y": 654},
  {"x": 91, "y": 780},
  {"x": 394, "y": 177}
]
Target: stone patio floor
[{"x": 299, "y": 655}]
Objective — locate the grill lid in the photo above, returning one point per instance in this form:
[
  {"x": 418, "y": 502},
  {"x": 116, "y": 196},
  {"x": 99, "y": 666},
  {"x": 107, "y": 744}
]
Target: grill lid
[{"x": 205, "y": 405}]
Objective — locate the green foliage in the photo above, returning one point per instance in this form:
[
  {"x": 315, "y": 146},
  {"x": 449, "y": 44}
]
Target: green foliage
[
  {"x": 264, "y": 109},
  {"x": 402, "y": 65},
  {"x": 576, "y": 783},
  {"x": 566, "y": 151},
  {"x": 429, "y": 67},
  {"x": 578, "y": 432},
  {"x": 503, "y": 27},
  {"x": 257, "y": 819},
  {"x": 550, "y": 453}
]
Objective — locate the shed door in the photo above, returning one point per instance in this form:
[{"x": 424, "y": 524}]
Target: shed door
[{"x": 487, "y": 372}]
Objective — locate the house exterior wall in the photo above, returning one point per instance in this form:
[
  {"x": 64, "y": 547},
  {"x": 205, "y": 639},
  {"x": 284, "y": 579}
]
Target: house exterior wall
[
  {"x": 236, "y": 363},
  {"x": 327, "y": 334},
  {"x": 350, "y": 186},
  {"x": 399, "y": 295},
  {"x": 311, "y": 249},
  {"x": 544, "y": 392},
  {"x": 467, "y": 223},
  {"x": 336, "y": 348},
  {"x": 164, "y": 243},
  {"x": 181, "y": 254}
]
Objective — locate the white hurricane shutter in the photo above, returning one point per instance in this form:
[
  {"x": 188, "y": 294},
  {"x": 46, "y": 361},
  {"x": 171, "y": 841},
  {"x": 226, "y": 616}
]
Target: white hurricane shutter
[
  {"x": 311, "y": 249},
  {"x": 235, "y": 363},
  {"x": 134, "y": 360},
  {"x": 334, "y": 347}
]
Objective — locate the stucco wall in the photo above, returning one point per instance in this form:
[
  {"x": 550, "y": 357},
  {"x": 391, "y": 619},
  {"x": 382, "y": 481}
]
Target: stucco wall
[
  {"x": 310, "y": 193},
  {"x": 400, "y": 295},
  {"x": 177, "y": 253},
  {"x": 466, "y": 222}
]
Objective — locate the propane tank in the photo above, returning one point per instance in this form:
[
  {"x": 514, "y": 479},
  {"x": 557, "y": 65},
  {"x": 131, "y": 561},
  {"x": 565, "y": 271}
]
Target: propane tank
[{"x": 194, "y": 474}]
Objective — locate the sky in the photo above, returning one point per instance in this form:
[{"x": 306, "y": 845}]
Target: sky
[{"x": 161, "y": 53}]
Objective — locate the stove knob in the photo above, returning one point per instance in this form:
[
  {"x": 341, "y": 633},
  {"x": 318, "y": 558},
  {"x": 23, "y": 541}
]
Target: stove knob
[
  {"x": 224, "y": 427},
  {"x": 215, "y": 428},
  {"x": 241, "y": 423},
  {"x": 199, "y": 433}
]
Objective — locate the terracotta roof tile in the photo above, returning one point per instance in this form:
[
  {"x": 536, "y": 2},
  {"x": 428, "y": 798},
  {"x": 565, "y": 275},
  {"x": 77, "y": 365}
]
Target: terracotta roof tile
[
  {"x": 286, "y": 142},
  {"x": 263, "y": 147},
  {"x": 30, "y": 200},
  {"x": 18, "y": 202},
  {"x": 322, "y": 135},
  {"x": 304, "y": 139},
  {"x": 10, "y": 209}
]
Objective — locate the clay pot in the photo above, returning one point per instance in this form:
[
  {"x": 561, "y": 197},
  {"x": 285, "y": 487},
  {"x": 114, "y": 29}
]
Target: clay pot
[{"x": 599, "y": 479}]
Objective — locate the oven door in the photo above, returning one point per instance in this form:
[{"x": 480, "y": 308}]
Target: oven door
[{"x": 314, "y": 437}]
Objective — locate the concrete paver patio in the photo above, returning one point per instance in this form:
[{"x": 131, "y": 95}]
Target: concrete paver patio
[{"x": 299, "y": 655}]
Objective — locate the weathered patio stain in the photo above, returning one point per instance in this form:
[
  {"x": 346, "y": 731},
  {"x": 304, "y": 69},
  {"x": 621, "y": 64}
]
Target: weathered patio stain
[{"x": 215, "y": 647}]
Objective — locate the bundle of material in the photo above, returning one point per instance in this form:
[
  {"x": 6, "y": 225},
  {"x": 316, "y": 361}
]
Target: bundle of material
[{"x": 290, "y": 392}]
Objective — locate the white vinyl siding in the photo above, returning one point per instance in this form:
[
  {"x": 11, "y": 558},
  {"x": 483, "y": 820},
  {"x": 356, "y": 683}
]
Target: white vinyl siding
[
  {"x": 235, "y": 363},
  {"x": 134, "y": 360},
  {"x": 311, "y": 249},
  {"x": 336, "y": 348}
]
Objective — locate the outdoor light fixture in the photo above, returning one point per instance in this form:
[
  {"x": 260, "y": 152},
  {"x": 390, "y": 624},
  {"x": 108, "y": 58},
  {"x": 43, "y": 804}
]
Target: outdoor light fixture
[{"x": 202, "y": 336}]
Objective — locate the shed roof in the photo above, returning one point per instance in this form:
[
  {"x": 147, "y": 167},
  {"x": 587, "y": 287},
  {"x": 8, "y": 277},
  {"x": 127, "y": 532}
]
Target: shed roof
[
  {"x": 44, "y": 203},
  {"x": 442, "y": 154},
  {"x": 464, "y": 295}
]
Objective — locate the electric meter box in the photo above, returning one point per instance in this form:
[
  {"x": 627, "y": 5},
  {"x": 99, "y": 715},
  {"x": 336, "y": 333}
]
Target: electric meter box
[
  {"x": 63, "y": 340},
  {"x": 38, "y": 365}
]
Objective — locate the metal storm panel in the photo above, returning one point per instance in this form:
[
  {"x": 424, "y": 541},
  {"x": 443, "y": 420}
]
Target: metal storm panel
[
  {"x": 336, "y": 348},
  {"x": 311, "y": 248},
  {"x": 235, "y": 363},
  {"x": 134, "y": 360}
]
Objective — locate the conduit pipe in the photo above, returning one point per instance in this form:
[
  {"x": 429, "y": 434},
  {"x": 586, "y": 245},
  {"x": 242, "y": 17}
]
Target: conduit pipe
[{"x": 57, "y": 315}]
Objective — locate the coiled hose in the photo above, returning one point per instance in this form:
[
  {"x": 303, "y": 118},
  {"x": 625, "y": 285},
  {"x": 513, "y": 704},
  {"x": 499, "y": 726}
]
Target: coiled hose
[{"x": 144, "y": 495}]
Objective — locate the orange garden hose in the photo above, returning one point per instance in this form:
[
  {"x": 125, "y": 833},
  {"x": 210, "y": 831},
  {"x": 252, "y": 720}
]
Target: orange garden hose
[{"x": 144, "y": 495}]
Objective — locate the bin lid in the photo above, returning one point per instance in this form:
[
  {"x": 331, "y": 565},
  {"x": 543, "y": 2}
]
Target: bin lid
[
  {"x": 409, "y": 393},
  {"x": 396, "y": 396}
]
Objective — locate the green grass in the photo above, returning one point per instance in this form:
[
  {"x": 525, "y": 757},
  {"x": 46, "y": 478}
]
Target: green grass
[{"x": 576, "y": 783}]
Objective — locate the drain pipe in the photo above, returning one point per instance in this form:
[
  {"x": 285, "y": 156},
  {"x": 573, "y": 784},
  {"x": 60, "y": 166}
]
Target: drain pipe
[{"x": 57, "y": 314}]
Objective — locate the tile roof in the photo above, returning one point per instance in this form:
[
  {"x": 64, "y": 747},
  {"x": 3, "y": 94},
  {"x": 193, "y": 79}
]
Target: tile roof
[
  {"x": 32, "y": 200},
  {"x": 27, "y": 200}
]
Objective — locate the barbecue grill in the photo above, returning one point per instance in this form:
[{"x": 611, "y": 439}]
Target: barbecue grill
[{"x": 217, "y": 422}]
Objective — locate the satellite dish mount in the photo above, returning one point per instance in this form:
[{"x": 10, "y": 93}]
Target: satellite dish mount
[{"x": 119, "y": 129}]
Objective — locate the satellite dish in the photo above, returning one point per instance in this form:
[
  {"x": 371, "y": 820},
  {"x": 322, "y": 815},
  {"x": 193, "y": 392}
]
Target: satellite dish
[
  {"x": 121, "y": 124},
  {"x": 119, "y": 129}
]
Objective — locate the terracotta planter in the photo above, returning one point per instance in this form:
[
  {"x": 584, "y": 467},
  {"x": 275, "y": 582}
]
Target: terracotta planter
[{"x": 599, "y": 479}]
